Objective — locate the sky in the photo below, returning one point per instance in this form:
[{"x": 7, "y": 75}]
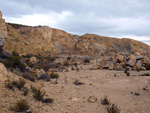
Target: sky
[{"x": 114, "y": 18}]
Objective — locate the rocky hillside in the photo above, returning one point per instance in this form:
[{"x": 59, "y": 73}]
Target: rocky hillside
[
  {"x": 44, "y": 40},
  {"x": 3, "y": 31}
]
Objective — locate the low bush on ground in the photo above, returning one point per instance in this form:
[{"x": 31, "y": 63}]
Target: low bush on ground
[
  {"x": 20, "y": 106},
  {"x": 19, "y": 84},
  {"x": 54, "y": 75},
  {"x": 38, "y": 94},
  {"x": 86, "y": 60},
  {"x": 113, "y": 109},
  {"x": 105, "y": 101}
]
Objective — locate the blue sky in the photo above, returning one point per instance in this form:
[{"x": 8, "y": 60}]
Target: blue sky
[{"x": 115, "y": 18}]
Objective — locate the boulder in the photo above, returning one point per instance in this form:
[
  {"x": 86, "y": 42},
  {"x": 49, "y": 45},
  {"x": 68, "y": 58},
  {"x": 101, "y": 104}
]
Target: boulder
[
  {"x": 33, "y": 60},
  {"x": 132, "y": 57},
  {"x": 146, "y": 60},
  {"x": 111, "y": 66},
  {"x": 139, "y": 57},
  {"x": 131, "y": 63},
  {"x": 139, "y": 65},
  {"x": 120, "y": 58},
  {"x": 3, "y": 73},
  {"x": 143, "y": 69},
  {"x": 37, "y": 72}
]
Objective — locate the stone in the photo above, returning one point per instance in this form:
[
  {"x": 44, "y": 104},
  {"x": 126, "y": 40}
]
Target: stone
[
  {"x": 120, "y": 58},
  {"x": 132, "y": 57},
  {"x": 143, "y": 69},
  {"x": 33, "y": 60},
  {"x": 94, "y": 68},
  {"x": 3, "y": 73},
  {"x": 111, "y": 66},
  {"x": 146, "y": 60},
  {"x": 139, "y": 65},
  {"x": 92, "y": 99},
  {"x": 37, "y": 72},
  {"x": 139, "y": 57},
  {"x": 131, "y": 63},
  {"x": 53, "y": 70}
]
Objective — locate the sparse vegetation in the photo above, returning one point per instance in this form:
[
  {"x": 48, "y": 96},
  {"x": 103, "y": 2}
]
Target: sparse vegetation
[
  {"x": 25, "y": 91},
  {"x": 105, "y": 101},
  {"x": 38, "y": 94},
  {"x": 9, "y": 85},
  {"x": 86, "y": 60},
  {"x": 113, "y": 109},
  {"x": 127, "y": 74},
  {"x": 20, "y": 106},
  {"x": 54, "y": 75},
  {"x": 19, "y": 84},
  {"x": 66, "y": 63}
]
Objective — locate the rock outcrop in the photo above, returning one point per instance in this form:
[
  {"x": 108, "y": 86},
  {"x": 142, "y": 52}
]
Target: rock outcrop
[
  {"x": 43, "y": 40},
  {"x": 3, "y": 31},
  {"x": 3, "y": 73}
]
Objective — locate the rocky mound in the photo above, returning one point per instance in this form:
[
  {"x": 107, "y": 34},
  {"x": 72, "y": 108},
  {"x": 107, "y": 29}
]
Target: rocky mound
[{"x": 43, "y": 40}]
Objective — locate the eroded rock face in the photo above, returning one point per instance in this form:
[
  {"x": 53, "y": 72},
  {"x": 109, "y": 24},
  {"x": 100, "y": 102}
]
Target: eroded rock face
[
  {"x": 3, "y": 31},
  {"x": 3, "y": 73},
  {"x": 43, "y": 40}
]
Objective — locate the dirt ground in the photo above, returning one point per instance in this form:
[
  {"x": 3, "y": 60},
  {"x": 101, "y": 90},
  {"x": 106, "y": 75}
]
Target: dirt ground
[{"x": 71, "y": 98}]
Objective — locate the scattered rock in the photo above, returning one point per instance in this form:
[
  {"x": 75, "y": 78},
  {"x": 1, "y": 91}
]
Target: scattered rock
[
  {"x": 33, "y": 60},
  {"x": 92, "y": 99},
  {"x": 120, "y": 58}
]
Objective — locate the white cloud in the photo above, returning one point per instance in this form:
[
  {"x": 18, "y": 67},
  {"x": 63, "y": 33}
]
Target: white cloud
[{"x": 52, "y": 19}]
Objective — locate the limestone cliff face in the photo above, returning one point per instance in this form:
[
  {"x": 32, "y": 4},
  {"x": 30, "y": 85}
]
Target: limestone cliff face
[
  {"x": 3, "y": 31},
  {"x": 44, "y": 40}
]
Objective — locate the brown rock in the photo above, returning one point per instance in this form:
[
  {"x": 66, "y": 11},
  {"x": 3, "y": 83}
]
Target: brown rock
[
  {"x": 132, "y": 57},
  {"x": 131, "y": 63},
  {"x": 3, "y": 73},
  {"x": 33, "y": 60},
  {"x": 143, "y": 68},
  {"x": 120, "y": 58},
  {"x": 92, "y": 99},
  {"x": 139, "y": 65},
  {"x": 111, "y": 66},
  {"x": 37, "y": 72},
  {"x": 94, "y": 68},
  {"x": 146, "y": 60}
]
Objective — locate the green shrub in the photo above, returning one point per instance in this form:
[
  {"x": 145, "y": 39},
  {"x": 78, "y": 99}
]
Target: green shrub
[
  {"x": 20, "y": 106},
  {"x": 66, "y": 63},
  {"x": 54, "y": 75},
  {"x": 25, "y": 91},
  {"x": 127, "y": 74},
  {"x": 105, "y": 101},
  {"x": 86, "y": 60},
  {"x": 113, "y": 109},
  {"x": 52, "y": 59},
  {"x": 147, "y": 67},
  {"x": 19, "y": 84},
  {"x": 38, "y": 94},
  {"x": 9, "y": 85},
  {"x": 15, "y": 53}
]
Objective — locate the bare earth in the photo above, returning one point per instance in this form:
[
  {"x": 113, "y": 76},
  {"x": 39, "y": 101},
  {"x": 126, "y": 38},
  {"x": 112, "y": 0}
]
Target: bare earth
[{"x": 71, "y": 98}]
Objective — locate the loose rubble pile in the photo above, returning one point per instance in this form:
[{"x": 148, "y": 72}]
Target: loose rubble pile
[{"x": 122, "y": 62}]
